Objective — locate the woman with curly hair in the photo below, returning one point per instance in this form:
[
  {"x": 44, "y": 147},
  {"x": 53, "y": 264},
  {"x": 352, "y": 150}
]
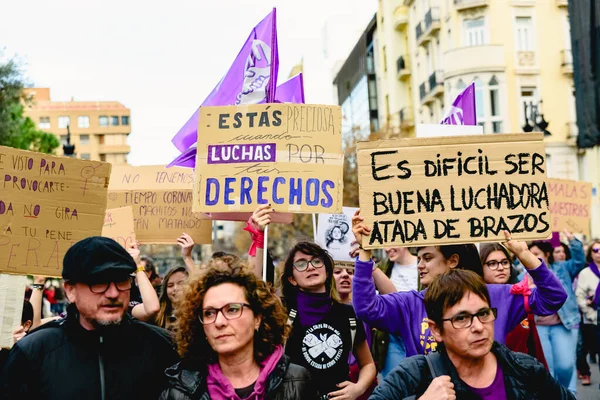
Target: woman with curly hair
[{"x": 230, "y": 338}]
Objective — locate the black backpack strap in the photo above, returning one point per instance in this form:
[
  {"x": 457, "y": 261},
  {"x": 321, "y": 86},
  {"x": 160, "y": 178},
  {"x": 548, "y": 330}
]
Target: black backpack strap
[
  {"x": 352, "y": 321},
  {"x": 293, "y": 313},
  {"x": 436, "y": 364}
]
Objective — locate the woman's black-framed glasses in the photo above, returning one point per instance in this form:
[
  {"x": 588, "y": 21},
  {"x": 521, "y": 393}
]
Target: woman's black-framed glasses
[
  {"x": 302, "y": 265},
  {"x": 464, "y": 320},
  {"x": 99, "y": 288},
  {"x": 230, "y": 311},
  {"x": 494, "y": 265}
]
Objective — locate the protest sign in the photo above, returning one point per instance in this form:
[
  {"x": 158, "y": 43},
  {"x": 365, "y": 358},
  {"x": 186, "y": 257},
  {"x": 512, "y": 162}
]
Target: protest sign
[
  {"x": 118, "y": 225},
  {"x": 334, "y": 234},
  {"x": 12, "y": 293},
  {"x": 287, "y": 155},
  {"x": 570, "y": 205},
  {"x": 434, "y": 191},
  {"x": 47, "y": 203},
  {"x": 161, "y": 200}
]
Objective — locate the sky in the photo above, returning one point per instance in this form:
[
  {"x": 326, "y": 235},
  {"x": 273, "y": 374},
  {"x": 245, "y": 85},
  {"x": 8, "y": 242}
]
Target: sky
[{"x": 161, "y": 59}]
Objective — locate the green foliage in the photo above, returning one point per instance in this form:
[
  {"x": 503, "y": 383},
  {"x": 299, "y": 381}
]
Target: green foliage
[{"x": 17, "y": 130}]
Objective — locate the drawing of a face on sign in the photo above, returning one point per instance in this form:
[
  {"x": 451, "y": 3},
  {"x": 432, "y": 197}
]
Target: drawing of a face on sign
[{"x": 337, "y": 233}]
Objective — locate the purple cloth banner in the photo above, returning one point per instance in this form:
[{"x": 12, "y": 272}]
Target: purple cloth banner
[
  {"x": 462, "y": 111},
  {"x": 251, "y": 79}
]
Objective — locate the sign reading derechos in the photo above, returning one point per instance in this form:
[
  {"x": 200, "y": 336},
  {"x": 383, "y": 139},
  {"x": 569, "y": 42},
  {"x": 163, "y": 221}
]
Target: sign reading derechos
[
  {"x": 287, "y": 155},
  {"x": 47, "y": 203},
  {"x": 118, "y": 225},
  {"x": 570, "y": 205},
  {"x": 434, "y": 191},
  {"x": 161, "y": 200}
]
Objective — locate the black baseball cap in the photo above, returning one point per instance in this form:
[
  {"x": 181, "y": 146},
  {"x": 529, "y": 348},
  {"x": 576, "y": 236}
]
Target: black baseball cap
[{"x": 97, "y": 259}]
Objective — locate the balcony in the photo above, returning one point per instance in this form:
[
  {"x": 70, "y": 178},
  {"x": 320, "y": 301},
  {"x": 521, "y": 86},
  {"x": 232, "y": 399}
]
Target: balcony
[
  {"x": 566, "y": 66},
  {"x": 419, "y": 31},
  {"x": 462, "y": 5},
  {"x": 572, "y": 131},
  {"x": 400, "y": 17},
  {"x": 474, "y": 59},
  {"x": 408, "y": 2},
  {"x": 562, "y": 3},
  {"x": 114, "y": 149},
  {"x": 407, "y": 118},
  {"x": 436, "y": 84},
  {"x": 422, "y": 90},
  {"x": 430, "y": 25},
  {"x": 403, "y": 67}
]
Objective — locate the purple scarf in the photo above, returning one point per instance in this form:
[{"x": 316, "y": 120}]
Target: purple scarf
[
  {"x": 313, "y": 307},
  {"x": 596, "y": 272},
  {"x": 219, "y": 387}
]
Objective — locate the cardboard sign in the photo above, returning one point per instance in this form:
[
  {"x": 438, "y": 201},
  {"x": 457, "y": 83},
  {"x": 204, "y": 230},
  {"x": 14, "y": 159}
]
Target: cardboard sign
[
  {"x": 161, "y": 200},
  {"x": 47, "y": 203},
  {"x": 118, "y": 225},
  {"x": 463, "y": 189},
  {"x": 12, "y": 294},
  {"x": 287, "y": 155},
  {"x": 334, "y": 234},
  {"x": 570, "y": 205}
]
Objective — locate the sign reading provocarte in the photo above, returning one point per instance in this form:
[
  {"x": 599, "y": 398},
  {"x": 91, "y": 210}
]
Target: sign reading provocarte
[
  {"x": 570, "y": 205},
  {"x": 161, "y": 200},
  {"x": 433, "y": 191},
  {"x": 47, "y": 203},
  {"x": 334, "y": 234},
  {"x": 119, "y": 226},
  {"x": 287, "y": 155}
]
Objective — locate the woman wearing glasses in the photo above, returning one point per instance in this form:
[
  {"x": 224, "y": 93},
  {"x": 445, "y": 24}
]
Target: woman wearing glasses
[
  {"x": 498, "y": 269},
  {"x": 230, "y": 338},
  {"x": 324, "y": 331}
]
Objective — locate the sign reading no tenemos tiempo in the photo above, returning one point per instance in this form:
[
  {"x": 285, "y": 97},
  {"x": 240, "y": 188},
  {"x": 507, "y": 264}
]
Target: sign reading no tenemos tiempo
[
  {"x": 286, "y": 155},
  {"x": 433, "y": 191}
]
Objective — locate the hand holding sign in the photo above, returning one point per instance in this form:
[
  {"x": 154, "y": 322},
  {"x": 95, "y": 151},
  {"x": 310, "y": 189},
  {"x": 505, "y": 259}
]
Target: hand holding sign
[
  {"x": 261, "y": 217},
  {"x": 521, "y": 251}
]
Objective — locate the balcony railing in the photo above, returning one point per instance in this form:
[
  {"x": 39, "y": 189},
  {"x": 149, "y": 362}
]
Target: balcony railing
[
  {"x": 562, "y": 3},
  {"x": 461, "y": 5},
  {"x": 432, "y": 16},
  {"x": 400, "y": 64},
  {"x": 436, "y": 79},
  {"x": 572, "y": 130},
  {"x": 407, "y": 118},
  {"x": 403, "y": 67},
  {"x": 422, "y": 91},
  {"x": 419, "y": 30},
  {"x": 567, "y": 61}
]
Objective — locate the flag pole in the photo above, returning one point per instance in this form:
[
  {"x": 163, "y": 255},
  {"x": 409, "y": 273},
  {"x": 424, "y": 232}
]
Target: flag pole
[
  {"x": 265, "y": 256},
  {"x": 314, "y": 221}
]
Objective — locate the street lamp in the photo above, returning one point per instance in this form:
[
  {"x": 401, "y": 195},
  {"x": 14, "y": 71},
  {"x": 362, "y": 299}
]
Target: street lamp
[
  {"x": 535, "y": 113},
  {"x": 68, "y": 148}
]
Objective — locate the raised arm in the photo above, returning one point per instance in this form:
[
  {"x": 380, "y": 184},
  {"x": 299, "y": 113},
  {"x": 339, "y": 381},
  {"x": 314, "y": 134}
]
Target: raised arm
[
  {"x": 186, "y": 243},
  {"x": 577, "y": 262},
  {"x": 260, "y": 219},
  {"x": 383, "y": 284},
  {"x": 147, "y": 310}
]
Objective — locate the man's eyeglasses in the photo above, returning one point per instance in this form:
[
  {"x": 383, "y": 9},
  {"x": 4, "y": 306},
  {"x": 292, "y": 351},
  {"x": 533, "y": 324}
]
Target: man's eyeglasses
[
  {"x": 230, "y": 311},
  {"x": 494, "y": 265},
  {"x": 99, "y": 288},
  {"x": 302, "y": 265},
  {"x": 464, "y": 320}
]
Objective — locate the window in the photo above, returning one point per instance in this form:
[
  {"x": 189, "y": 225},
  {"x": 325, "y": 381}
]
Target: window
[
  {"x": 100, "y": 139},
  {"x": 83, "y": 121},
  {"x": 114, "y": 120},
  {"x": 125, "y": 120},
  {"x": 495, "y": 114},
  {"x": 529, "y": 95},
  {"x": 524, "y": 26},
  {"x": 85, "y": 156},
  {"x": 474, "y": 32},
  {"x": 44, "y": 123},
  {"x": 84, "y": 140},
  {"x": 103, "y": 121},
  {"x": 102, "y": 157},
  {"x": 63, "y": 121},
  {"x": 479, "y": 99}
]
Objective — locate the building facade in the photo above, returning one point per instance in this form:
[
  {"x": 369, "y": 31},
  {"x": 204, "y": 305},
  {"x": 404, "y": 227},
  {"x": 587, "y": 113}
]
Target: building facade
[{"x": 98, "y": 129}]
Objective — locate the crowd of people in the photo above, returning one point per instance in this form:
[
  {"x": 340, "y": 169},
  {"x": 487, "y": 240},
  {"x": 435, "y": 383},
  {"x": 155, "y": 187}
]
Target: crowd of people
[{"x": 510, "y": 320}]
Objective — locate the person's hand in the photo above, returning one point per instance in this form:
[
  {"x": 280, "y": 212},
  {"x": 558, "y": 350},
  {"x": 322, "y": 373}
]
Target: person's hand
[
  {"x": 359, "y": 228},
  {"x": 134, "y": 252},
  {"x": 441, "y": 388},
  {"x": 569, "y": 235},
  {"x": 39, "y": 280},
  {"x": 514, "y": 246},
  {"x": 349, "y": 391},
  {"x": 261, "y": 217},
  {"x": 355, "y": 249},
  {"x": 19, "y": 334},
  {"x": 186, "y": 243}
]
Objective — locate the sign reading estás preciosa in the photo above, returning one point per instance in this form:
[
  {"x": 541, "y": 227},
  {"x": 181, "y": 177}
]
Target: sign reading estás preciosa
[
  {"x": 287, "y": 155},
  {"x": 47, "y": 204},
  {"x": 433, "y": 191}
]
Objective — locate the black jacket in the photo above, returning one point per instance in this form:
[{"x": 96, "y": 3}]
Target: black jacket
[
  {"x": 524, "y": 378},
  {"x": 61, "y": 360},
  {"x": 287, "y": 382}
]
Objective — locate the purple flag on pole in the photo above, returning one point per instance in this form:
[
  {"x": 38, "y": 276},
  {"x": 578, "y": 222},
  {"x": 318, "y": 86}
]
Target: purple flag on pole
[
  {"x": 462, "y": 111},
  {"x": 251, "y": 79}
]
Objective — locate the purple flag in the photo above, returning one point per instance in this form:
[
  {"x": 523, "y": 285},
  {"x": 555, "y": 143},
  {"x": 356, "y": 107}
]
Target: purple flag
[
  {"x": 251, "y": 79},
  {"x": 462, "y": 110}
]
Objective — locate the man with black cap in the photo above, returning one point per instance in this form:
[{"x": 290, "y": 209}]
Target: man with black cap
[{"x": 98, "y": 351}]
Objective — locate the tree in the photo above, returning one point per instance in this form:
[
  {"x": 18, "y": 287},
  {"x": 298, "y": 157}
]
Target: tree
[{"x": 17, "y": 130}]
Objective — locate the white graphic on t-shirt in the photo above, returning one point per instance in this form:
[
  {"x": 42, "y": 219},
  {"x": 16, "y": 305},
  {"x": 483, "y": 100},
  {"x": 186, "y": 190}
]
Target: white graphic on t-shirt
[{"x": 322, "y": 346}]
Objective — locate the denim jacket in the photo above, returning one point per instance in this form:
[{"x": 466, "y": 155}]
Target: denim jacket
[{"x": 566, "y": 271}]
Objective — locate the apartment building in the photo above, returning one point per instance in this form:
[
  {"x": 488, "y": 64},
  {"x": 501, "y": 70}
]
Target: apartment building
[{"x": 99, "y": 129}]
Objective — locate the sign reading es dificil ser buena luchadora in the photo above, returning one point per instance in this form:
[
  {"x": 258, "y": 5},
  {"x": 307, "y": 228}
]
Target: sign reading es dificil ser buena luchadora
[
  {"x": 434, "y": 191},
  {"x": 287, "y": 155},
  {"x": 47, "y": 204}
]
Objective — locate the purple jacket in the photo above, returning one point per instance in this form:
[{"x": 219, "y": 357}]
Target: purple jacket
[{"x": 403, "y": 313}]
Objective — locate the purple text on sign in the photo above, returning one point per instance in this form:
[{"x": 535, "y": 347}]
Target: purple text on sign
[{"x": 241, "y": 153}]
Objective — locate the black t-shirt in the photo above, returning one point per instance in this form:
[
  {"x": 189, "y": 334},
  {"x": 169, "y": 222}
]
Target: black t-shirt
[
  {"x": 244, "y": 393},
  {"x": 323, "y": 348}
]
